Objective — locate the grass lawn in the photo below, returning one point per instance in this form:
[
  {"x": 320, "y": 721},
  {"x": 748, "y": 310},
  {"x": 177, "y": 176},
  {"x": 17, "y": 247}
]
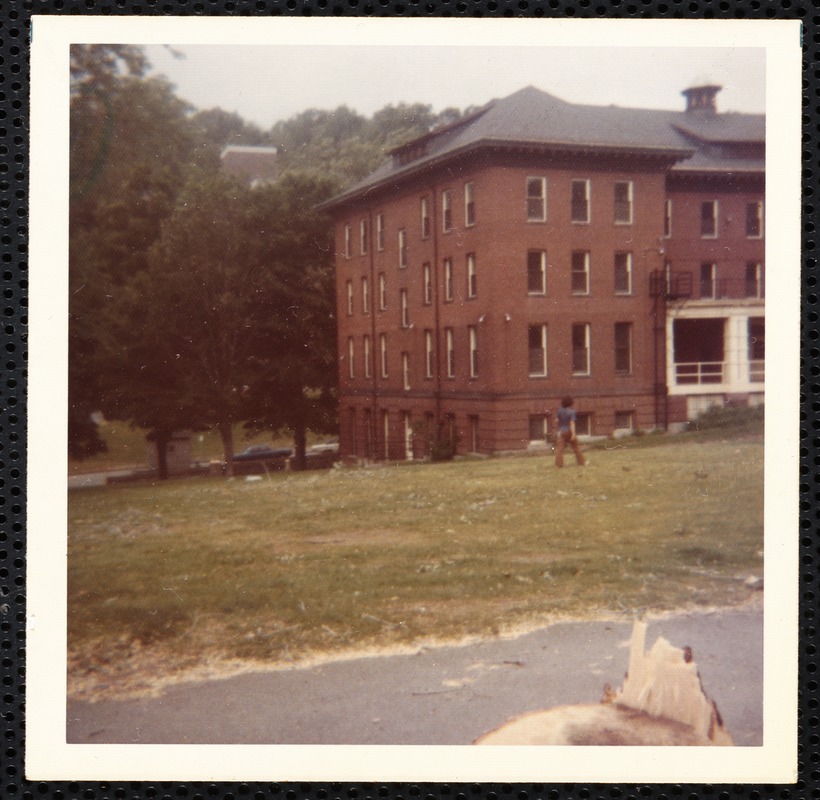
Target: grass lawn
[{"x": 199, "y": 572}]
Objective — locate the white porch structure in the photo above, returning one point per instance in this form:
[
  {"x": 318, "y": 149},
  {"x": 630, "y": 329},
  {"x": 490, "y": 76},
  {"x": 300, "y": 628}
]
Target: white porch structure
[{"x": 714, "y": 350}]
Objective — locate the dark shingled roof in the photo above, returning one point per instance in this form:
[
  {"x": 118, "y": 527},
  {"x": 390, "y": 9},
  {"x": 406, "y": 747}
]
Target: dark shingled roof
[{"x": 531, "y": 117}]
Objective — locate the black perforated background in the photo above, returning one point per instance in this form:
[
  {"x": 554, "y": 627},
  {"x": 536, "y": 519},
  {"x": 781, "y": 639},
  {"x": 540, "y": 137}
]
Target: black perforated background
[{"x": 14, "y": 22}]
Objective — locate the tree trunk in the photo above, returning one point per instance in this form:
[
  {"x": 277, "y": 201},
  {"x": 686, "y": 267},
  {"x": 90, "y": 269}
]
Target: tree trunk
[
  {"x": 300, "y": 445},
  {"x": 226, "y": 434}
]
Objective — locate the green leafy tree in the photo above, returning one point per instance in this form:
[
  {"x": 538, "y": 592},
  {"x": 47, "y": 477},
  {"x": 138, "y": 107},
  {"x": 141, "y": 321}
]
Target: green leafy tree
[
  {"x": 131, "y": 142},
  {"x": 293, "y": 338}
]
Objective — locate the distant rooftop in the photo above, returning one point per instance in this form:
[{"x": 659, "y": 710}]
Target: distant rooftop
[{"x": 255, "y": 164}]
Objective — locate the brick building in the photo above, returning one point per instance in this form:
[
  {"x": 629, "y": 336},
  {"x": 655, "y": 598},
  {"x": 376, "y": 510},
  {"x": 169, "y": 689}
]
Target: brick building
[{"x": 538, "y": 248}]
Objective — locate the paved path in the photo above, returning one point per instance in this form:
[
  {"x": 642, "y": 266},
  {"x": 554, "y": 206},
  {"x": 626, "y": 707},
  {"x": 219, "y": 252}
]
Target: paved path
[{"x": 439, "y": 696}]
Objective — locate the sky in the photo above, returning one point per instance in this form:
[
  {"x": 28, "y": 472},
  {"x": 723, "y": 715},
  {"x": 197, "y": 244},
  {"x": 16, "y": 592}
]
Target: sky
[{"x": 267, "y": 83}]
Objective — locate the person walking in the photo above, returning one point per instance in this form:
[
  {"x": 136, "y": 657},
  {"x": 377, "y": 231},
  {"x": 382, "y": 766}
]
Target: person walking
[{"x": 566, "y": 433}]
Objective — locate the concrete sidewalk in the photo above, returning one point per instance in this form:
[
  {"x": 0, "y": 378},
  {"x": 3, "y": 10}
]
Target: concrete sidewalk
[{"x": 448, "y": 695}]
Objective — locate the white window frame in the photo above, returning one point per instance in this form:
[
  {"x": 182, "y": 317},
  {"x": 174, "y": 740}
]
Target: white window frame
[
  {"x": 759, "y": 205},
  {"x": 428, "y": 353},
  {"x": 541, "y": 372},
  {"x": 450, "y": 342},
  {"x": 628, "y": 255},
  {"x": 469, "y": 204},
  {"x": 542, "y": 270},
  {"x": 366, "y": 355},
  {"x": 574, "y": 272},
  {"x": 350, "y": 298},
  {"x": 472, "y": 338},
  {"x": 542, "y": 198},
  {"x": 629, "y": 200},
  {"x": 446, "y": 212},
  {"x": 382, "y": 292},
  {"x": 587, "y": 370},
  {"x": 425, "y": 217},
  {"x": 348, "y": 236},
  {"x": 448, "y": 280},
  {"x": 405, "y": 370},
  {"x": 402, "y": 248},
  {"x": 540, "y": 419},
  {"x": 404, "y": 308},
  {"x": 712, "y": 280},
  {"x": 629, "y": 415},
  {"x": 380, "y": 232},
  {"x": 757, "y": 266},
  {"x": 363, "y": 237},
  {"x": 587, "y": 195},
  {"x": 351, "y": 355},
  {"x": 427, "y": 284},
  {"x": 472, "y": 278},
  {"x": 365, "y": 296},
  {"x": 626, "y": 325},
  {"x": 383, "y": 354},
  {"x": 715, "y": 218}
]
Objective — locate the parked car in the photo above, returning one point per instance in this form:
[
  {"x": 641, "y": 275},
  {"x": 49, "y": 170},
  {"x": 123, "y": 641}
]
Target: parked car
[{"x": 263, "y": 452}]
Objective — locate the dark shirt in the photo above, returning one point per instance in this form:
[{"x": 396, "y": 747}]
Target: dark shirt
[{"x": 566, "y": 416}]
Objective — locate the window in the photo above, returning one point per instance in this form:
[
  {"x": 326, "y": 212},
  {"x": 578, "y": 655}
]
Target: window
[
  {"x": 708, "y": 282},
  {"x": 471, "y": 276},
  {"x": 405, "y": 370},
  {"x": 708, "y": 219},
  {"x": 473, "y": 423},
  {"x": 427, "y": 284},
  {"x": 382, "y": 292},
  {"x": 380, "y": 232},
  {"x": 349, "y": 298},
  {"x": 425, "y": 218},
  {"x": 580, "y": 348},
  {"x": 428, "y": 354},
  {"x": 624, "y": 420},
  {"x": 623, "y": 273},
  {"x": 757, "y": 349},
  {"x": 536, "y": 199},
  {"x": 365, "y": 296},
  {"x": 363, "y": 237},
  {"x": 449, "y": 339},
  {"x": 448, "y": 279},
  {"x": 580, "y": 201},
  {"x": 386, "y": 432},
  {"x": 366, "y": 355},
  {"x": 402, "y": 248},
  {"x": 623, "y": 202},
  {"x": 623, "y": 348},
  {"x": 446, "y": 212},
  {"x": 404, "y": 308},
  {"x": 537, "y": 335},
  {"x": 754, "y": 220},
  {"x": 472, "y": 336},
  {"x": 583, "y": 424},
  {"x": 537, "y": 272},
  {"x": 580, "y": 272},
  {"x": 469, "y": 205},
  {"x": 383, "y": 353},
  {"x": 347, "y": 234},
  {"x": 538, "y": 427},
  {"x": 754, "y": 279},
  {"x": 351, "y": 352},
  {"x": 667, "y": 219}
]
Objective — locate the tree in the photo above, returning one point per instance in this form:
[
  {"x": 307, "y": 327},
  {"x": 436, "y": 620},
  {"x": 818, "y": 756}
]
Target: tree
[
  {"x": 131, "y": 142},
  {"x": 293, "y": 339}
]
